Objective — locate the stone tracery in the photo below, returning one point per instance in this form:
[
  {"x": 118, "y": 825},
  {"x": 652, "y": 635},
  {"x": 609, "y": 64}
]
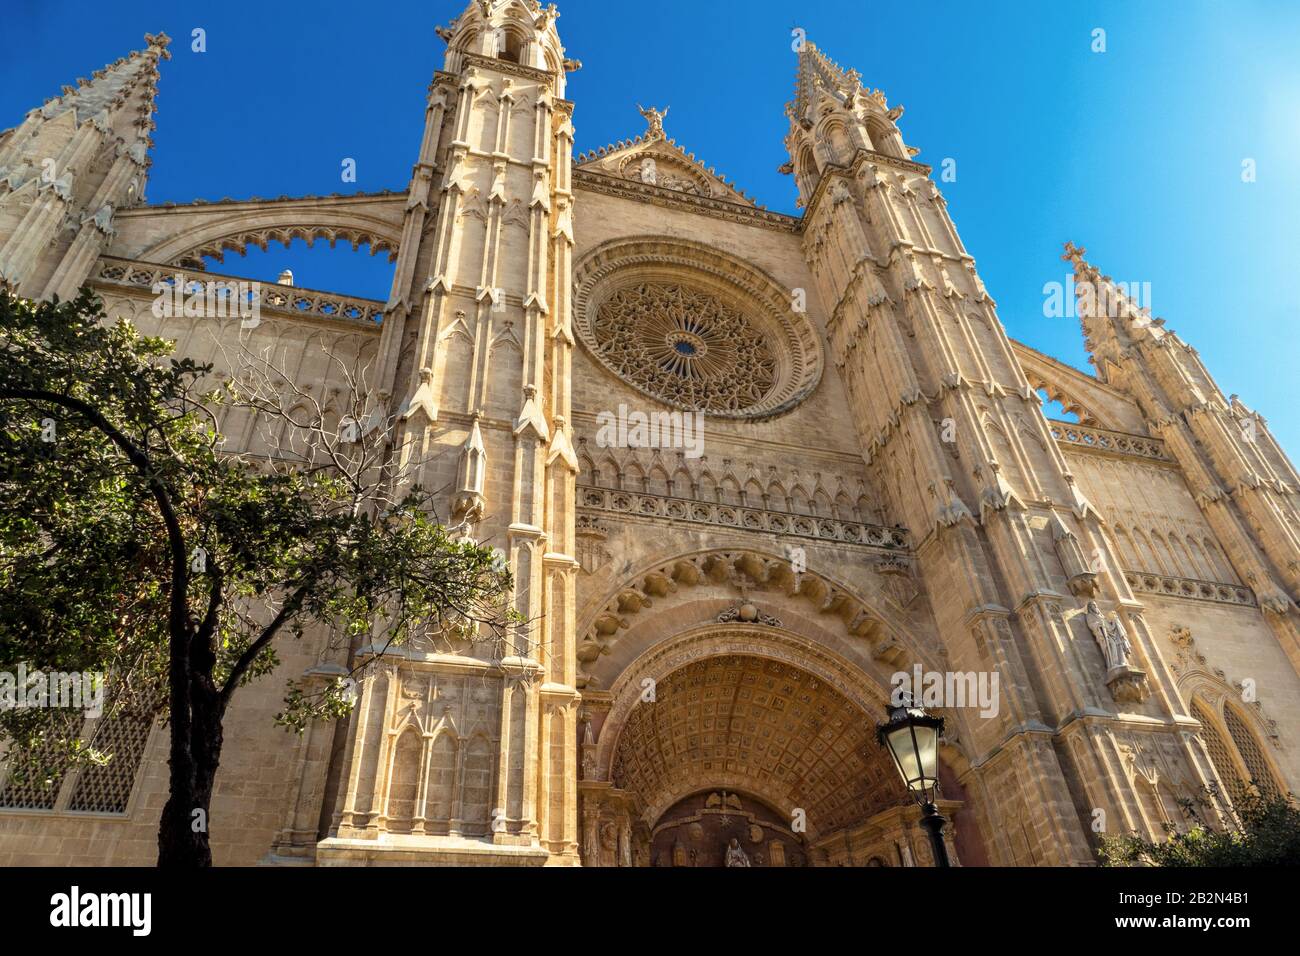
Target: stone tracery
[
  {"x": 695, "y": 328},
  {"x": 685, "y": 346}
]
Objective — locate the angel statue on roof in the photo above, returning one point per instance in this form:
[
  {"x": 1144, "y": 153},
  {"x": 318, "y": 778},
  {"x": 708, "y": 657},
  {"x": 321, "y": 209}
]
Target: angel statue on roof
[{"x": 655, "y": 118}]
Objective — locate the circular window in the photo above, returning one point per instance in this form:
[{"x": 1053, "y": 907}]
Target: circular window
[
  {"x": 685, "y": 346},
  {"x": 695, "y": 329}
]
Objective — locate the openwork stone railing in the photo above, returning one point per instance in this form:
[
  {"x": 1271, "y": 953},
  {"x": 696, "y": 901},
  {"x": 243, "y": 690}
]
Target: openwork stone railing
[
  {"x": 1105, "y": 440},
  {"x": 744, "y": 518},
  {"x": 1148, "y": 583},
  {"x": 279, "y": 298}
]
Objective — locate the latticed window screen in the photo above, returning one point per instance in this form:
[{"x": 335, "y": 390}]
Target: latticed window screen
[
  {"x": 1251, "y": 755},
  {"x": 1220, "y": 755},
  {"x": 30, "y": 794},
  {"x": 98, "y": 789},
  {"x": 44, "y": 793},
  {"x": 107, "y": 788}
]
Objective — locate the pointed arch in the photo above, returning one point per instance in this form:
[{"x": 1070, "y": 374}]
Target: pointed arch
[
  {"x": 476, "y": 783},
  {"x": 1124, "y": 545},
  {"x": 1146, "y": 554},
  {"x": 1232, "y": 738},
  {"x": 729, "y": 490},
  {"x": 682, "y": 483},
  {"x": 843, "y": 509},
  {"x": 610, "y": 470},
  {"x": 404, "y": 780},
  {"x": 1221, "y": 565},
  {"x": 821, "y": 503},
  {"x": 800, "y": 500},
  {"x": 708, "y": 486},
  {"x": 634, "y": 476},
  {"x": 1259, "y": 768},
  {"x": 657, "y": 480},
  {"x": 1216, "y": 746},
  {"x": 442, "y": 776}
]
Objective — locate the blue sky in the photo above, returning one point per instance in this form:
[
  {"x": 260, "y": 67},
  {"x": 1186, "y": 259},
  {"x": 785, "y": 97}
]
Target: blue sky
[{"x": 1135, "y": 153}]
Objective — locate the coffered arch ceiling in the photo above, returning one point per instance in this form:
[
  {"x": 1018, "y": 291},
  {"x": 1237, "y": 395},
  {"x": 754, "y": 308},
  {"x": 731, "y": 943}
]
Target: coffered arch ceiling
[{"x": 761, "y": 726}]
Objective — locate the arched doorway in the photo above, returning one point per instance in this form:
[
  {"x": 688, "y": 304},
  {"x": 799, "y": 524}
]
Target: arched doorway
[
  {"x": 720, "y": 828},
  {"x": 744, "y": 734}
]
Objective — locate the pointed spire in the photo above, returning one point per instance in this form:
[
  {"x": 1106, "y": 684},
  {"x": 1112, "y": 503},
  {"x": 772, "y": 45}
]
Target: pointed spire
[
  {"x": 1111, "y": 316},
  {"x": 76, "y": 159},
  {"x": 112, "y": 86},
  {"x": 816, "y": 72}
]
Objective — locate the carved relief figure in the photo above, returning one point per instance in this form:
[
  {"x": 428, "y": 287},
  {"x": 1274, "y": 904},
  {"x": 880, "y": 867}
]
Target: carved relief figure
[{"x": 736, "y": 856}]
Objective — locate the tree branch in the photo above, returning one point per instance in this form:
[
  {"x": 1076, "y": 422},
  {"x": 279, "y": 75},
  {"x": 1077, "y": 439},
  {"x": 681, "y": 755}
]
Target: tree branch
[{"x": 245, "y": 661}]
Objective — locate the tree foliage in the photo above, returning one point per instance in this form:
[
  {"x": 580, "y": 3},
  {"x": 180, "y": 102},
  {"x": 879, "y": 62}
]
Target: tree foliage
[
  {"x": 134, "y": 543},
  {"x": 1265, "y": 833}
]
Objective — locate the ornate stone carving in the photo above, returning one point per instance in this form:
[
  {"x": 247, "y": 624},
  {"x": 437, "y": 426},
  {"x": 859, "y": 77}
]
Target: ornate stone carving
[
  {"x": 694, "y": 328},
  {"x": 1145, "y": 581},
  {"x": 613, "y": 501},
  {"x": 1109, "y": 442},
  {"x": 293, "y": 301},
  {"x": 590, "y": 539},
  {"x": 747, "y": 613},
  {"x": 1082, "y": 579},
  {"x": 686, "y": 347}
]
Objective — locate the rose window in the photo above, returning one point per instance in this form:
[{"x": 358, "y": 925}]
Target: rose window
[
  {"x": 685, "y": 346},
  {"x": 694, "y": 327}
]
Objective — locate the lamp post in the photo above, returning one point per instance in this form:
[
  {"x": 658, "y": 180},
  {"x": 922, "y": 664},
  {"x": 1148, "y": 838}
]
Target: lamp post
[{"x": 912, "y": 738}]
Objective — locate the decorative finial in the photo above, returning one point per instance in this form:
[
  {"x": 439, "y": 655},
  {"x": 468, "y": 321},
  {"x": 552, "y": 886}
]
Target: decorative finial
[
  {"x": 1073, "y": 252},
  {"x": 159, "y": 40},
  {"x": 655, "y": 120}
]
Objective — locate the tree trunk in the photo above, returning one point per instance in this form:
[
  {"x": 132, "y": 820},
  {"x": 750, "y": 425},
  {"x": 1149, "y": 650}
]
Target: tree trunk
[{"x": 183, "y": 829}]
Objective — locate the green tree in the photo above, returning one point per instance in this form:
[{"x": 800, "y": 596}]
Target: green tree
[
  {"x": 1265, "y": 833},
  {"x": 133, "y": 544}
]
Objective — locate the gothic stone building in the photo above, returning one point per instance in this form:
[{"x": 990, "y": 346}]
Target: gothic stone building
[{"x": 879, "y": 490}]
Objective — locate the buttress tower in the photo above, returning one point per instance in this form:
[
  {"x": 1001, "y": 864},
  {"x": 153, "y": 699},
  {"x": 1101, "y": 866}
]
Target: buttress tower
[
  {"x": 474, "y": 360},
  {"x": 958, "y": 448}
]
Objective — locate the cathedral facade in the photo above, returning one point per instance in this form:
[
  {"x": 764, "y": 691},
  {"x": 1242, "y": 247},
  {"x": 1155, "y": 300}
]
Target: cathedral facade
[{"x": 747, "y": 468}]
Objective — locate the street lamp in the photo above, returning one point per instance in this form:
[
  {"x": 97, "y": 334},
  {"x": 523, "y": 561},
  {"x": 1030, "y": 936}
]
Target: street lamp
[{"x": 912, "y": 738}]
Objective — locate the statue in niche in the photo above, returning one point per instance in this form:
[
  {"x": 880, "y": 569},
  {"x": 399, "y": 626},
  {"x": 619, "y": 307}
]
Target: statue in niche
[
  {"x": 1126, "y": 682},
  {"x": 649, "y": 173},
  {"x": 1111, "y": 636},
  {"x": 1117, "y": 646},
  {"x": 736, "y": 856}
]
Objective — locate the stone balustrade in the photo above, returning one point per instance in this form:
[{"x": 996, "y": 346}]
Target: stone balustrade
[
  {"x": 1107, "y": 441},
  {"x": 1145, "y": 582},
  {"x": 279, "y": 298}
]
